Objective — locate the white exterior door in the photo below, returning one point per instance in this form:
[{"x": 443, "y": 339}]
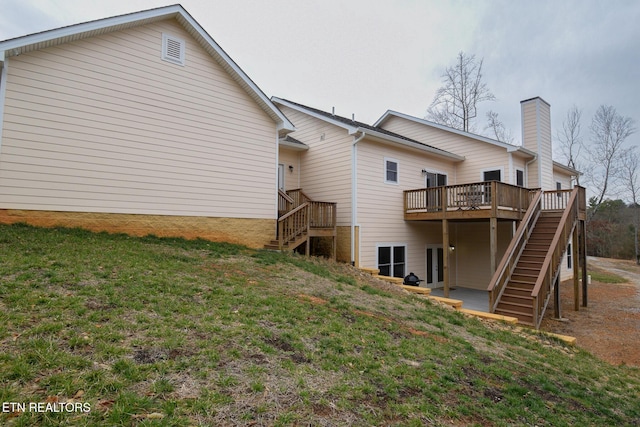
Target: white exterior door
[{"x": 281, "y": 177}]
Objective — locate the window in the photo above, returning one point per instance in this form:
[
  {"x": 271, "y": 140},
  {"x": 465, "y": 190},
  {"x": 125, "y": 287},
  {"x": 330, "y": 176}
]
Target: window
[
  {"x": 569, "y": 256},
  {"x": 493, "y": 175},
  {"x": 390, "y": 171},
  {"x": 391, "y": 261},
  {"x": 559, "y": 187},
  {"x": 173, "y": 49},
  {"x": 519, "y": 177}
]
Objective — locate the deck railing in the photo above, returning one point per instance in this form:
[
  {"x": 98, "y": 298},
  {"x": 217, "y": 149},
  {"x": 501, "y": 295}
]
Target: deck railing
[
  {"x": 551, "y": 266},
  {"x": 322, "y": 214},
  {"x": 503, "y": 273},
  {"x": 479, "y": 195},
  {"x": 298, "y": 197}
]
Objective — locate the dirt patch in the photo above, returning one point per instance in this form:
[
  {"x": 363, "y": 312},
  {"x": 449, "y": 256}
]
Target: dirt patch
[{"x": 609, "y": 326}]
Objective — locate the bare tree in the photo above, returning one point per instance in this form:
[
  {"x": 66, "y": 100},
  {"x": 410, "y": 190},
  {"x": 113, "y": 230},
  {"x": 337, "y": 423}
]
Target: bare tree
[
  {"x": 629, "y": 173},
  {"x": 455, "y": 102},
  {"x": 609, "y": 130},
  {"x": 570, "y": 139},
  {"x": 497, "y": 129}
]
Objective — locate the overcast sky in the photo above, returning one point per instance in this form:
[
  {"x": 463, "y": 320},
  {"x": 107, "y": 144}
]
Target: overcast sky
[{"x": 366, "y": 56}]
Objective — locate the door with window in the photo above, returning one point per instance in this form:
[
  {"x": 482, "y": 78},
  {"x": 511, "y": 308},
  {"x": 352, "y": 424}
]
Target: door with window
[
  {"x": 435, "y": 266},
  {"x": 434, "y": 197},
  {"x": 391, "y": 261}
]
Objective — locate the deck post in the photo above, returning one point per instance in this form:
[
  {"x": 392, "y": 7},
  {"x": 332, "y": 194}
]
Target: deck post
[
  {"x": 556, "y": 299},
  {"x": 583, "y": 261},
  {"x": 493, "y": 239},
  {"x": 445, "y": 257},
  {"x": 576, "y": 274}
]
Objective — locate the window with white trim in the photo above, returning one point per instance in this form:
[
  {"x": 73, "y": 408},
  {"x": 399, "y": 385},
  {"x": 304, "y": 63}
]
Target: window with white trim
[
  {"x": 391, "y": 260},
  {"x": 391, "y": 171},
  {"x": 173, "y": 49}
]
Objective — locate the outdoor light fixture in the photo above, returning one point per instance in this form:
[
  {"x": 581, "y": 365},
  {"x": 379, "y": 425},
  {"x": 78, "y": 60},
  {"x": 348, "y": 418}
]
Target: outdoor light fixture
[
  {"x": 452, "y": 248},
  {"x": 291, "y": 168}
]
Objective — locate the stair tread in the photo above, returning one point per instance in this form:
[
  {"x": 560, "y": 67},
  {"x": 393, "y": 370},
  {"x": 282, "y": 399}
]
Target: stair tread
[{"x": 525, "y": 297}]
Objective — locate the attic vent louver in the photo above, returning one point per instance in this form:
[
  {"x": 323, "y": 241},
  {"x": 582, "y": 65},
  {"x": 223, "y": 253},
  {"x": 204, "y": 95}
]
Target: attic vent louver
[{"x": 173, "y": 49}]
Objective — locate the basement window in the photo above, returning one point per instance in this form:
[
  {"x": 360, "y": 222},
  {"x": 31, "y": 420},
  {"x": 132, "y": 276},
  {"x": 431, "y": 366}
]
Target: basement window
[
  {"x": 173, "y": 49},
  {"x": 391, "y": 260}
]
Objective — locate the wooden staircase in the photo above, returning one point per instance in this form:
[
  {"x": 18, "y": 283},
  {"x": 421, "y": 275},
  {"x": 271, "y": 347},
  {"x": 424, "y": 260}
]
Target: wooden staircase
[
  {"x": 516, "y": 299},
  {"x": 529, "y": 271},
  {"x": 300, "y": 219}
]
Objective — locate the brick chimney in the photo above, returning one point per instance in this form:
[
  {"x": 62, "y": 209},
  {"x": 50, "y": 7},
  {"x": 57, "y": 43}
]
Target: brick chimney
[{"x": 536, "y": 136}]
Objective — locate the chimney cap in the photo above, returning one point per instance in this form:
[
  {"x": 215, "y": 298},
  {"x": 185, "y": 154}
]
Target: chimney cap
[{"x": 533, "y": 99}]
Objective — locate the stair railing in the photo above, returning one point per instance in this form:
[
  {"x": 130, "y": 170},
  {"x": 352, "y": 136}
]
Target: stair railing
[
  {"x": 510, "y": 258},
  {"x": 550, "y": 269},
  {"x": 285, "y": 203},
  {"x": 293, "y": 224}
]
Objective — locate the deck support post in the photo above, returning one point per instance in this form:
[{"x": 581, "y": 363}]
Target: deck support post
[
  {"x": 556, "y": 299},
  {"x": 575, "y": 262},
  {"x": 583, "y": 261},
  {"x": 493, "y": 239},
  {"x": 445, "y": 257}
]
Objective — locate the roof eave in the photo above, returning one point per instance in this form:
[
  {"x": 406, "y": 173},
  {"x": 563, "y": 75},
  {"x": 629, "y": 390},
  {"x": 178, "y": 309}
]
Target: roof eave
[
  {"x": 293, "y": 145},
  {"x": 508, "y": 147},
  {"x": 416, "y": 145},
  {"x": 565, "y": 168},
  {"x": 350, "y": 129}
]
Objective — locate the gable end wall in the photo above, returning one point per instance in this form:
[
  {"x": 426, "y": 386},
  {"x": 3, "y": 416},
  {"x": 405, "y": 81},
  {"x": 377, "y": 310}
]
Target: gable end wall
[{"x": 105, "y": 125}]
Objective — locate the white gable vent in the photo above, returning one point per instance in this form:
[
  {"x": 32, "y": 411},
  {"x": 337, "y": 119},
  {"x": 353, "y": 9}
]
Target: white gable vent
[{"x": 173, "y": 49}]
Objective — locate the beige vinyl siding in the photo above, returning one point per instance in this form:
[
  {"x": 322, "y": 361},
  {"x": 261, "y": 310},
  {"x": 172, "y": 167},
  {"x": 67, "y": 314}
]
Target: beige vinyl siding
[
  {"x": 105, "y": 125},
  {"x": 471, "y": 259},
  {"x": 563, "y": 179},
  {"x": 479, "y": 156},
  {"x": 327, "y": 162},
  {"x": 545, "y": 154},
  {"x": 381, "y": 205},
  {"x": 288, "y": 157},
  {"x": 536, "y": 136}
]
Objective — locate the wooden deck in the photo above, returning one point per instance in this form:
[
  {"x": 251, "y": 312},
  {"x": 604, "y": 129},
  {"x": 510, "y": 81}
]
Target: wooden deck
[{"x": 478, "y": 200}]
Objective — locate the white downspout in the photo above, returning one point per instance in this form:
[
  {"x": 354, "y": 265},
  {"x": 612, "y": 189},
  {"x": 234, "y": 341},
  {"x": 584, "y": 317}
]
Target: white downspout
[
  {"x": 354, "y": 194},
  {"x": 3, "y": 91}
]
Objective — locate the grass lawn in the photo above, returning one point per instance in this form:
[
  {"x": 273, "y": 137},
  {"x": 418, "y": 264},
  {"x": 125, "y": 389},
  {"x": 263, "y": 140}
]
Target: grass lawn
[{"x": 168, "y": 332}]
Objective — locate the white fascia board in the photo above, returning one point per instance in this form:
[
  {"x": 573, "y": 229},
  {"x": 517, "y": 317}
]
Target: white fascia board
[
  {"x": 508, "y": 147},
  {"x": 89, "y": 27},
  {"x": 350, "y": 129},
  {"x": 416, "y": 145}
]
